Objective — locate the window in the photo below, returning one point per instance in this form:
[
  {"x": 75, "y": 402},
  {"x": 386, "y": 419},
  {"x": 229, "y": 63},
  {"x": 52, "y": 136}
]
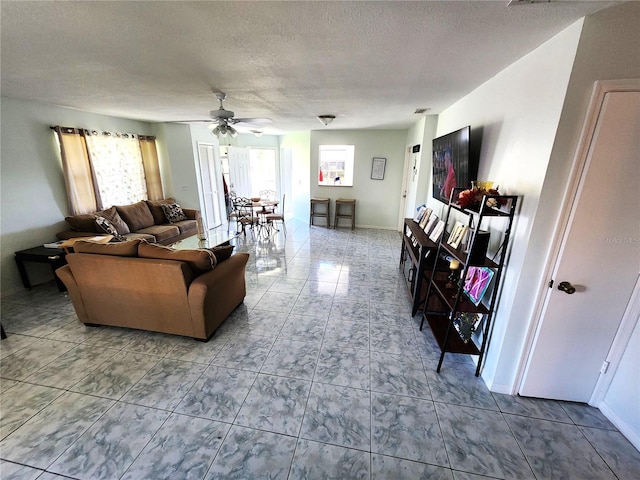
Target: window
[
  {"x": 335, "y": 165},
  {"x": 102, "y": 169}
]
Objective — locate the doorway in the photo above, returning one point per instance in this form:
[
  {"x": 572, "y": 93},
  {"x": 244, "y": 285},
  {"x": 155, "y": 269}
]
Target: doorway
[{"x": 597, "y": 255}]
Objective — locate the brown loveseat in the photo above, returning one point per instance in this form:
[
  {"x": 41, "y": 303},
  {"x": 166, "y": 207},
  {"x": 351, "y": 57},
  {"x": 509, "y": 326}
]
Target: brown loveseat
[
  {"x": 140, "y": 285},
  {"x": 144, "y": 220}
]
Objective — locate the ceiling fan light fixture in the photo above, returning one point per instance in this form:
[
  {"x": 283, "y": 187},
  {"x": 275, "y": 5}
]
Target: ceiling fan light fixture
[
  {"x": 326, "y": 119},
  {"x": 232, "y": 131}
]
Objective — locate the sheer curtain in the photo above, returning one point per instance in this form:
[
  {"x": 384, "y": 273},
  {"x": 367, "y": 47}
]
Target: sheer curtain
[
  {"x": 102, "y": 169},
  {"x": 117, "y": 163}
]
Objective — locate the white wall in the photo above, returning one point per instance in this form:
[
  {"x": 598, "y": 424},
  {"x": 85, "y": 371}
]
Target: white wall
[
  {"x": 377, "y": 201},
  {"x": 34, "y": 199},
  {"x": 622, "y": 401},
  {"x": 608, "y": 49},
  {"x": 176, "y": 151},
  {"x": 419, "y": 185},
  {"x": 518, "y": 112},
  {"x": 299, "y": 146},
  {"x": 530, "y": 116}
]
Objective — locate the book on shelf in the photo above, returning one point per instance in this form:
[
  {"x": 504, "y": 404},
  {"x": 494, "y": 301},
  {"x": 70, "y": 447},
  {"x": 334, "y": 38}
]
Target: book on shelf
[{"x": 53, "y": 244}]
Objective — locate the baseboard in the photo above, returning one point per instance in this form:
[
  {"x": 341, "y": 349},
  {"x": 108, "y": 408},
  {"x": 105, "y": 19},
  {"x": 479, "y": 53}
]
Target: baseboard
[
  {"x": 621, "y": 425},
  {"x": 498, "y": 388}
]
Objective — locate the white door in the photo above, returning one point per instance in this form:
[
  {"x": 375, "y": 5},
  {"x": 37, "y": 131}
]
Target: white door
[
  {"x": 239, "y": 171},
  {"x": 210, "y": 176},
  {"x": 410, "y": 161},
  {"x": 599, "y": 256}
]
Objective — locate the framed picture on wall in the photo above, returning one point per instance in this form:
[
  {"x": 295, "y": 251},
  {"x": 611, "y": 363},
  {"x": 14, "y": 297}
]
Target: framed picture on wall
[{"x": 377, "y": 168}]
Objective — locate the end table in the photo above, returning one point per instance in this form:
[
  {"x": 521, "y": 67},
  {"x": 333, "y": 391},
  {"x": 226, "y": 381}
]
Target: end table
[{"x": 55, "y": 257}]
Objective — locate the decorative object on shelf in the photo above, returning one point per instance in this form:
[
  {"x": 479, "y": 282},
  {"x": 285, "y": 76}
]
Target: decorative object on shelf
[
  {"x": 425, "y": 218},
  {"x": 454, "y": 265},
  {"x": 471, "y": 198},
  {"x": 457, "y": 234},
  {"x": 477, "y": 282},
  {"x": 436, "y": 233},
  {"x": 419, "y": 213},
  {"x": 466, "y": 323},
  {"x": 433, "y": 220},
  {"x": 377, "y": 168}
]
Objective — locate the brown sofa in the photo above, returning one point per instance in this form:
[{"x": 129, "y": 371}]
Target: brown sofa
[
  {"x": 136, "y": 284},
  {"x": 144, "y": 220}
]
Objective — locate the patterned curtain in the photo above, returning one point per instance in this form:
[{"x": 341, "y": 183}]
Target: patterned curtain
[
  {"x": 102, "y": 169},
  {"x": 117, "y": 163}
]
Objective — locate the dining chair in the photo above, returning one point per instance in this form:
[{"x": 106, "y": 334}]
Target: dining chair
[
  {"x": 277, "y": 217},
  {"x": 243, "y": 214}
]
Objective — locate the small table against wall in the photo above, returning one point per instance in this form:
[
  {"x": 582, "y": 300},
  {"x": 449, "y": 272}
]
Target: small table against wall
[{"x": 55, "y": 257}]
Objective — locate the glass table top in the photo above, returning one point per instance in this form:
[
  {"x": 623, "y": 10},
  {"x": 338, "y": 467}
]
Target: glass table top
[{"x": 211, "y": 238}]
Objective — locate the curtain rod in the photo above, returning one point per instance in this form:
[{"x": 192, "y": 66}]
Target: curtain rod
[{"x": 95, "y": 132}]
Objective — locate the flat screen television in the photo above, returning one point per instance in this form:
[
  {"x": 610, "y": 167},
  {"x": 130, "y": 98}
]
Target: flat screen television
[{"x": 452, "y": 166}]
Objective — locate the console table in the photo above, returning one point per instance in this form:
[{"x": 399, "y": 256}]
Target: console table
[{"x": 416, "y": 261}]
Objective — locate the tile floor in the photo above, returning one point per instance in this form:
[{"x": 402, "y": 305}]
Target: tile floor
[{"x": 321, "y": 374}]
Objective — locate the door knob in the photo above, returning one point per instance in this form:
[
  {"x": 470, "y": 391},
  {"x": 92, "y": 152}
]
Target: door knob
[{"x": 566, "y": 287}]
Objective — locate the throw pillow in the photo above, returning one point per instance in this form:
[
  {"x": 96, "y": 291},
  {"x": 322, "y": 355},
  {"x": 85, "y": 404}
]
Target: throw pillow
[
  {"x": 173, "y": 212},
  {"x": 155, "y": 207},
  {"x": 106, "y": 226},
  {"x": 222, "y": 252},
  {"x": 111, "y": 214},
  {"x": 198, "y": 260}
]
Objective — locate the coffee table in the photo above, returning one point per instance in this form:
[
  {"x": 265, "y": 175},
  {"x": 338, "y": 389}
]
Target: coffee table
[{"x": 212, "y": 238}]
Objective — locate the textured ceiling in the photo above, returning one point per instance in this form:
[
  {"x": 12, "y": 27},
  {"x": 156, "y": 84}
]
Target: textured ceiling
[{"x": 369, "y": 63}]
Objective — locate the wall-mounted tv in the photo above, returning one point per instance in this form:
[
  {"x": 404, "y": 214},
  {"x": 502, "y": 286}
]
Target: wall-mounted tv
[{"x": 452, "y": 166}]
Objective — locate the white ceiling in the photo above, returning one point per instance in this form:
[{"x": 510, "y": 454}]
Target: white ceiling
[{"x": 369, "y": 63}]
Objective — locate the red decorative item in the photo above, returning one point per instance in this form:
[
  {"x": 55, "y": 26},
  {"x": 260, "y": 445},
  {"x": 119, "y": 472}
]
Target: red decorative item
[
  {"x": 472, "y": 198},
  {"x": 320, "y": 176}
]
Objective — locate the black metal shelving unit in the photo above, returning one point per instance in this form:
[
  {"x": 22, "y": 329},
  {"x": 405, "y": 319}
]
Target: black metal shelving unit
[{"x": 444, "y": 300}]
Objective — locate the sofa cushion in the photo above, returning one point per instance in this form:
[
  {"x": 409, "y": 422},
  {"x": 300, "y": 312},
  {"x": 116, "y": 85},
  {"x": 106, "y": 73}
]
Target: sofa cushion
[
  {"x": 111, "y": 214},
  {"x": 156, "y": 209},
  {"x": 199, "y": 260},
  {"x": 161, "y": 232},
  {"x": 83, "y": 223},
  {"x": 187, "y": 226},
  {"x": 222, "y": 252},
  {"x": 173, "y": 212},
  {"x": 122, "y": 249},
  {"x": 137, "y": 216}
]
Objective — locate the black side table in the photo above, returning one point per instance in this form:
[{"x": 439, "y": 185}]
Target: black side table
[{"x": 53, "y": 256}]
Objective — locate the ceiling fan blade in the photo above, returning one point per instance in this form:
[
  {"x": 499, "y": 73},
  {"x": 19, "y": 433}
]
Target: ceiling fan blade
[
  {"x": 254, "y": 121},
  {"x": 199, "y": 120}
]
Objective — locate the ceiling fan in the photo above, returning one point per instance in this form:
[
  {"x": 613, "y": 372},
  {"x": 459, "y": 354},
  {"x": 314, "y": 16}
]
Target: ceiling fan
[{"x": 222, "y": 120}]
